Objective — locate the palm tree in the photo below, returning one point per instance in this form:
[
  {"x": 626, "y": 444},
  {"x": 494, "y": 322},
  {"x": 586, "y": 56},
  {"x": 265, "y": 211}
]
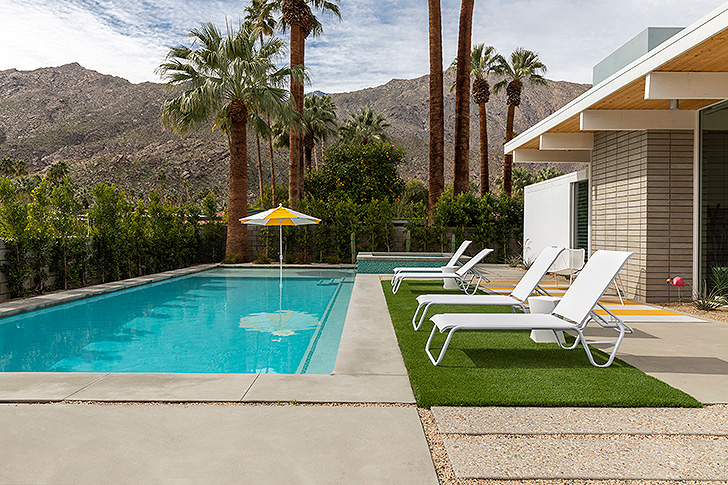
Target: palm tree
[
  {"x": 436, "y": 183},
  {"x": 260, "y": 14},
  {"x": 319, "y": 119},
  {"x": 7, "y": 167},
  {"x": 13, "y": 168},
  {"x": 297, "y": 15},
  {"x": 225, "y": 78},
  {"x": 483, "y": 60},
  {"x": 318, "y": 123},
  {"x": 462, "y": 99},
  {"x": 524, "y": 66},
  {"x": 364, "y": 127}
]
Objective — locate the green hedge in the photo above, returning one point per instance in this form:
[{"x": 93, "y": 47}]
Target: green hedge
[
  {"x": 490, "y": 221},
  {"x": 49, "y": 231}
]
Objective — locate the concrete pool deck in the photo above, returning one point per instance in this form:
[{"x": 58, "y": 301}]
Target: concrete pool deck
[
  {"x": 369, "y": 366},
  {"x": 104, "y": 428}
]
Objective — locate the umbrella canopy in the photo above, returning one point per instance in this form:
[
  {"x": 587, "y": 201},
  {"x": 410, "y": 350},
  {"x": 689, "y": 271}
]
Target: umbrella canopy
[{"x": 280, "y": 216}]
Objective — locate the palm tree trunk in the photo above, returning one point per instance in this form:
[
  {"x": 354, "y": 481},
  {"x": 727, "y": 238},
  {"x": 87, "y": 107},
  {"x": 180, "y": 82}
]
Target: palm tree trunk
[
  {"x": 508, "y": 159},
  {"x": 260, "y": 168},
  {"x": 307, "y": 154},
  {"x": 484, "y": 175},
  {"x": 462, "y": 99},
  {"x": 315, "y": 154},
  {"x": 272, "y": 168},
  {"x": 436, "y": 183},
  {"x": 236, "y": 246},
  {"x": 294, "y": 161},
  {"x": 308, "y": 144}
]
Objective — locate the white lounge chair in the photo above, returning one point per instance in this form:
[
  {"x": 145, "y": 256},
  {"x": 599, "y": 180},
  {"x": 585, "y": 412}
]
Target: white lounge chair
[
  {"x": 516, "y": 299},
  {"x": 569, "y": 264},
  {"x": 573, "y": 312},
  {"x": 465, "y": 275},
  {"x": 452, "y": 263}
]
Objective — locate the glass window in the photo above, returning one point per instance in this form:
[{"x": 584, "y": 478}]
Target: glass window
[{"x": 714, "y": 193}]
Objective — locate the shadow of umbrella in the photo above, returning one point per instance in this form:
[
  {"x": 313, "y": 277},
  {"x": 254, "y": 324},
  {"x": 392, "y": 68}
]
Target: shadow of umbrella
[{"x": 281, "y": 323}]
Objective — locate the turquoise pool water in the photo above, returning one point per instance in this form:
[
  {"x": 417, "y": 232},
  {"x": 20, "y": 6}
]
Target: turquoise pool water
[{"x": 224, "y": 320}]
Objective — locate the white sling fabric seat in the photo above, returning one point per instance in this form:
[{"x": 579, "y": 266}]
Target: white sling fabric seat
[
  {"x": 466, "y": 275},
  {"x": 573, "y": 312},
  {"x": 516, "y": 299},
  {"x": 452, "y": 263}
]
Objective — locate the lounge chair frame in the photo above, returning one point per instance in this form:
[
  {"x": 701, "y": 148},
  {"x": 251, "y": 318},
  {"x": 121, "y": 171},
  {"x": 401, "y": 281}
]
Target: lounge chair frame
[
  {"x": 467, "y": 276},
  {"x": 516, "y": 299},
  {"x": 452, "y": 263},
  {"x": 572, "y": 314}
]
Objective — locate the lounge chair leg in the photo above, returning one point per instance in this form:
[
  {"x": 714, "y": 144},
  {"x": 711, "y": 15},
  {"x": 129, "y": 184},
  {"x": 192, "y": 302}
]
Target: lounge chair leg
[
  {"x": 416, "y": 324},
  {"x": 444, "y": 347},
  {"x": 395, "y": 286}
]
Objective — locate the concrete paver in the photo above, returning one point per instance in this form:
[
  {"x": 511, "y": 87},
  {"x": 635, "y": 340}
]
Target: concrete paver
[
  {"x": 166, "y": 387},
  {"x": 368, "y": 344},
  {"x": 586, "y": 443},
  {"x": 42, "y": 386},
  {"x": 212, "y": 444},
  {"x": 711, "y": 421},
  {"x": 689, "y": 356},
  {"x": 331, "y": 388}
]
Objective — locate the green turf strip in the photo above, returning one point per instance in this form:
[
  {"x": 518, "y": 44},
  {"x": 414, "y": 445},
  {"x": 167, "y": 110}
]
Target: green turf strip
[{"x": 506, "y": 368}]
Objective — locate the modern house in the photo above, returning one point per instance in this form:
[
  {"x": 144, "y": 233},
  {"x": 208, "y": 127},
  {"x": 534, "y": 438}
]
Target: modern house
[{"x": 654, "y": 130}]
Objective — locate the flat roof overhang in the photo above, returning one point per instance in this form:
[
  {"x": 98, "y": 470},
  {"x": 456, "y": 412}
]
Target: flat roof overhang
[{"x": 636, "y": 93}]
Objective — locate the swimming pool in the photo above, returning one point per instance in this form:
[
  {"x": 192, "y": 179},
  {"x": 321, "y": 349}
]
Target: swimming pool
[{"x": 224, "y": 320}]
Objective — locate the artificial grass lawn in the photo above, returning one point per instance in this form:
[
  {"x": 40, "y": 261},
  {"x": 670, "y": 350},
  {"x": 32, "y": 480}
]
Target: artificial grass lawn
[{"x": 506, "y": 368}]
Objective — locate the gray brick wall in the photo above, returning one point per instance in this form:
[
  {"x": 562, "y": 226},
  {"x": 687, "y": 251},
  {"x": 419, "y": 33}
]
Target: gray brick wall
[{"x": 642, "y": 186}]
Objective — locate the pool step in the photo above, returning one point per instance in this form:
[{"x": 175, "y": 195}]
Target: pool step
[{"x": 330, "y": 282}]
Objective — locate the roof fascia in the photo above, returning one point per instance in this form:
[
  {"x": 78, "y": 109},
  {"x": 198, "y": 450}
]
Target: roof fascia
[{"x": 683, "y": 41}]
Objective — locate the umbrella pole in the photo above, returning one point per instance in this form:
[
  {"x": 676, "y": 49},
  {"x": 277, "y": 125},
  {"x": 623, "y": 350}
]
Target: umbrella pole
[{"x": 280, "y": 254}]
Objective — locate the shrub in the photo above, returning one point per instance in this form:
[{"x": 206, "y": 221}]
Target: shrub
[{"x": 359, "y": 173}]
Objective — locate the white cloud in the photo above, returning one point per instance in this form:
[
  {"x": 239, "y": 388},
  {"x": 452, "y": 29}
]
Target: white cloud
[{"x": 377, "y": 40}]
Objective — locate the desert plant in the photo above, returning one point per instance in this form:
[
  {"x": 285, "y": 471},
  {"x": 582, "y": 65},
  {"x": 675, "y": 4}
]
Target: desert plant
[
  {"x": 719, "y": 279},
  {"x": 709, "y": 299},
  {"x": 262, "y": 258}
]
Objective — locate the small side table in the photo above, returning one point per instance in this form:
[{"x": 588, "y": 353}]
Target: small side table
[
  {"x": 449, "y": 283},
  {"x": 544, "y": 304}
]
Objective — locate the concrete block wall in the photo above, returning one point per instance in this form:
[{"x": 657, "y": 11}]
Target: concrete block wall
[
  {"x": 619, "y": 202},
  {"x": 669, "y": 212},
  {"x": 642, "y": 183}
]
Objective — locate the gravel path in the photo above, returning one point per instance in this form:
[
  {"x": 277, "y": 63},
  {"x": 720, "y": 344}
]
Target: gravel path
[{"x": 542, "y": 446}]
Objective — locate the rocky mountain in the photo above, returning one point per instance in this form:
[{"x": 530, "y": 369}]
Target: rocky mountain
[{"x": 108, "y": 129}]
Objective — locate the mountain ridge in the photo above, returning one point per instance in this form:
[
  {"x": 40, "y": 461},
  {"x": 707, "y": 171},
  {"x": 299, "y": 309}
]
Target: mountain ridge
[{"x": 108, "y": 129}]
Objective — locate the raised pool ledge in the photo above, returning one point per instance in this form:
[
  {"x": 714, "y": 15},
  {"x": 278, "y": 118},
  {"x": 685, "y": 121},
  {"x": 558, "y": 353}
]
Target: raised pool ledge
[
  {"x": 384, "y": 263},
  {"x": 24, "y": 305}
]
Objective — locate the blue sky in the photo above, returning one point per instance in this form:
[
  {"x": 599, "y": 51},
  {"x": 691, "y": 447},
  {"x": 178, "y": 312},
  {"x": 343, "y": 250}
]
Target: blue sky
[{"x": 377, "y": 40}]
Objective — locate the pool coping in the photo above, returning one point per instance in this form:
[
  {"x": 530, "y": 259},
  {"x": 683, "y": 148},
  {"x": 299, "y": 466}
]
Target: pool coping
[
  {"x": 369, "y": 366},
  {"x": 15, "y": 307}
]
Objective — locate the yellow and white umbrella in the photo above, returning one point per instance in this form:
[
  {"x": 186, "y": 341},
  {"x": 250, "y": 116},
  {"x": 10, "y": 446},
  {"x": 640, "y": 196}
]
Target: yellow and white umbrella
[{"x": 280, "y": 216}]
